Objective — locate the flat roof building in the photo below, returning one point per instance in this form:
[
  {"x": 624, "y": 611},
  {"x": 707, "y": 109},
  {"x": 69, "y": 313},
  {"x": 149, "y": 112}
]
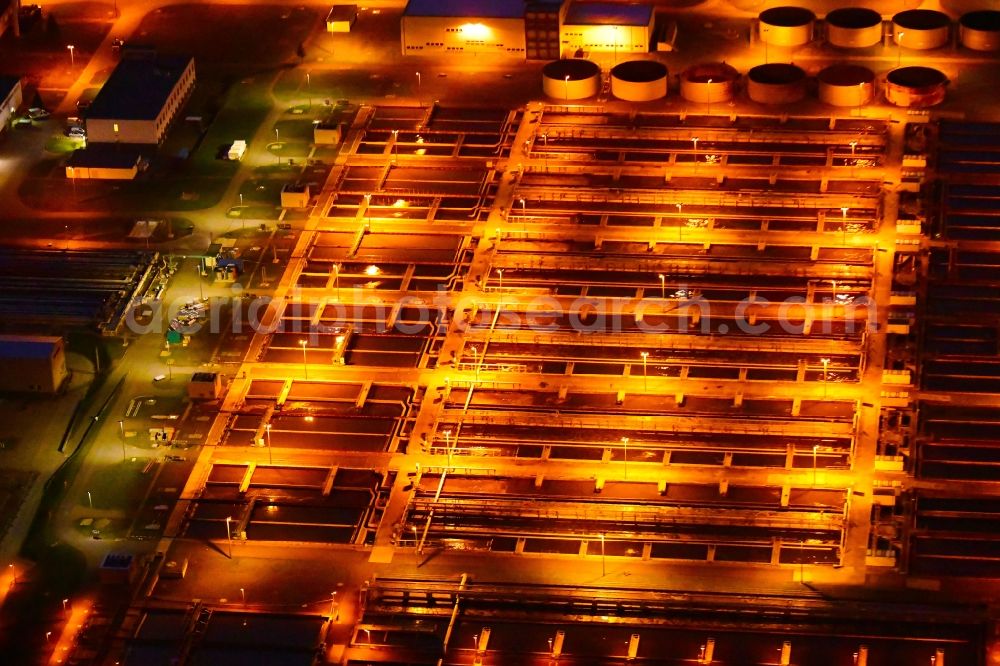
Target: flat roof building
[
  {"x": 466, "y": 8},
  {"x": 606, "y": 27},
  {"x": 32, "y": 364},
  {"x": 341, "y": 18},
  {"x": 106, "y": 161},
  {"x": 463, "y": 26},
  {"x": 140, "y": 99},
  {"x": 11, "y": 98}
]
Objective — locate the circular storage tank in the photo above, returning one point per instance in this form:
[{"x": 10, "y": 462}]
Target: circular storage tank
[
  {"x": 639, "y": 80},
  {"x": 786, "y": 26},
  {"x": 846, "y": 85},
  {"x": 854, "y": 27},
  {"x": 776, "y": 83},
  {"x": 709, "y": 82},
  {"x": 921, "y": 29},
  {"x": 980, "y": 30},
  {"x": 915, "y": 86},
  {"x": 571, "y": 79}
]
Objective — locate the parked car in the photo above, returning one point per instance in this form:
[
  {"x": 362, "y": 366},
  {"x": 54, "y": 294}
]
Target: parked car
[
  {"x": 36, "y": 113},
  {"x": 76, "y": 132}
]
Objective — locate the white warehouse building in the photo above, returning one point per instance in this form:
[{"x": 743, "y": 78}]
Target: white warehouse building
[
  {"x": 606, "y": 27},
  {"x": 531, "y": 29},
  {"x": 494, "y": 27}
]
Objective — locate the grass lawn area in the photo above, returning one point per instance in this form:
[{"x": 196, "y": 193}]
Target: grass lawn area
[
  {"x": 331, "y": 85},
  {"x": 263, "y": 191},
  {"x": 255, "y": 212},
  {"x": 120, "y": 486},
  {"x": 62, "y": 145},
  {"x": 250, "y": 36}
]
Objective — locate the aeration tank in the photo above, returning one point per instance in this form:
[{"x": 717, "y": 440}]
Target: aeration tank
[
  {"x": 854, "y": 27},
  {"x": 639, "y": 80},
  {"x": 776, "y": 83}
]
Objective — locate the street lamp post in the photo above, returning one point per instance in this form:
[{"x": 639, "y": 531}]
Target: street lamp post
[
  {"x": 625, "y": 442},
  {"x": 447, "y": 445},
  {"x": 395, "y": 145},
  {"x": 72, "y": 58},
  {"x": 90, "y": 500},
  {"x": 899, "y": 49},
  {"x": 305, "y": 364},
  {"x": 680, "y": 225},
  {"x": 243, "y": 596},
  {"x": 645, "y": 385},
  {"x": 566, "y": 85},
  {"x": 694, "y": 140},
  {"x": 815, "y": 449},
  {"x": 708, "y": 96},
  {"x": 418, "y": 88},
  {"x": 826, "y": 366},
  {"x": 500, "y": 288},
  {"x": 368, "y": 212},
  {"x": 277, "y": 135},
  {"x": 663, "y": 286},
  {"x": 604, "y": 564},
  {"x": 843, "y": 224},
  {"x": 309, "y": 94},
  {"x": 267, "y": 431},
  {"x": 121, "y": 431},
  {"x": 229, "y": 535}
]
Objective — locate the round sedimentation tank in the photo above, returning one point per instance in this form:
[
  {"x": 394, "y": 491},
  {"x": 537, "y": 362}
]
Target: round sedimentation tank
[
  {"x": 639, "y": 80},
  {"x": 776, "y": 83},
  {"x": 980, "y": 31},
  {"x": 709, "y": 82},
  {"x": 854, "y": 27},
  {"x": 846, "y": 85},
  {"x": 915, "y": 86},
  {"x": 571, "y": 79},
  {"x": 921, "y": 29},
  {"x": 786, "y": 26}
]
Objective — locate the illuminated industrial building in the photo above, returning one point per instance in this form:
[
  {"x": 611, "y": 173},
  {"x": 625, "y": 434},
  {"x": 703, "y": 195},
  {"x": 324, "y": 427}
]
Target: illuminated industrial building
[
  {"x": 535, "y": 30},
  {"x": 477, "y": 27},
  {"x": 606, "y": 27}
]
